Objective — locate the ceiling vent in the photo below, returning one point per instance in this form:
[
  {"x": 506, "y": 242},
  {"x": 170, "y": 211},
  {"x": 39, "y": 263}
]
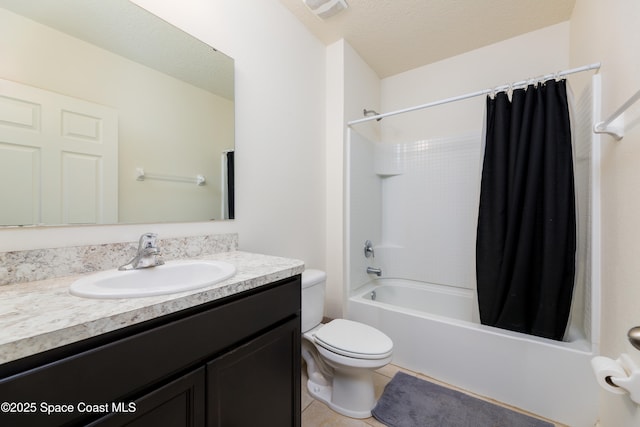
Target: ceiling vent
[{"x": 326, "y": 8}]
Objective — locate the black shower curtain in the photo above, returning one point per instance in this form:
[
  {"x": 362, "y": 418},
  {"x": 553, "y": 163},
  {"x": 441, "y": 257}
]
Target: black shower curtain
[{"x": 526, "y": 241}]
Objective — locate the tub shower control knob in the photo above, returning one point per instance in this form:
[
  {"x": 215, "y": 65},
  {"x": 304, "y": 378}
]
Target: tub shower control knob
[{"x": 368, "y": 250}]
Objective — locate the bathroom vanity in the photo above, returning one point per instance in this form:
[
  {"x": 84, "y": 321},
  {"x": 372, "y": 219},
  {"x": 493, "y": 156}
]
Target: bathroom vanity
[{"x": 219, "y": 357}]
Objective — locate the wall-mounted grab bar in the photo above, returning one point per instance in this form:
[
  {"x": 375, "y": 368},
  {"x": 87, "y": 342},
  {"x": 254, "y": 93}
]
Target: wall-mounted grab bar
[
  {"x": 141, "y": 175},
  {"x": 616, "y": 129}
]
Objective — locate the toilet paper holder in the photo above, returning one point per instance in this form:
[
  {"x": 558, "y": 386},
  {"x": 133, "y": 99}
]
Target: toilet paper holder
[
  {"x": 620, "y": 376},
  {"x": 630, "y": 383}
]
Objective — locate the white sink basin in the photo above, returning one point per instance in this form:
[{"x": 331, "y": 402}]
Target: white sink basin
[{"x": 172, "y": 277}]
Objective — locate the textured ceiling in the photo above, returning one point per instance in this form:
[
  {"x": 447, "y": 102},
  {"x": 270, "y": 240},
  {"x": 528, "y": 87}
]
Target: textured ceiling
[{"x": 393, "y": 36}]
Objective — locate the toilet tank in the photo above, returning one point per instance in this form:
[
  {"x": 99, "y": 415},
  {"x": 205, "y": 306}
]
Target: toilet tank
[{"x": 313, "y": 285}]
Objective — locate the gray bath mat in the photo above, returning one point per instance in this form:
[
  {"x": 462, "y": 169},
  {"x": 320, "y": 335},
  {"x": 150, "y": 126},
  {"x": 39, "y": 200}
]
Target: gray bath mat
[{"x": 408, "y": 401}]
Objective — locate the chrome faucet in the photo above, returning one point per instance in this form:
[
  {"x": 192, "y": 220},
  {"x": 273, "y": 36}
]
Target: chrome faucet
[
  {"x": 148, "y": 254},
  {"x": 376, "y": 271}
]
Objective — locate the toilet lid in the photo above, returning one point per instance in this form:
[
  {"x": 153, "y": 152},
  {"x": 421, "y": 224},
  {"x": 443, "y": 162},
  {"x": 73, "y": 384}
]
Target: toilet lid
[{"x": 354, "y": 339}]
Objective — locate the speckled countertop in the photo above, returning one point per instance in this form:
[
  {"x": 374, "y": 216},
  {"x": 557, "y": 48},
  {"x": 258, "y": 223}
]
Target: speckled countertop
[{"x": 42, "y": 315}]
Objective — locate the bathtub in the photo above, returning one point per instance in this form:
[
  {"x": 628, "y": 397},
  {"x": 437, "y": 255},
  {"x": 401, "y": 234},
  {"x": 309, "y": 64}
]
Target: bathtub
[{"x": 434, "y": 332}]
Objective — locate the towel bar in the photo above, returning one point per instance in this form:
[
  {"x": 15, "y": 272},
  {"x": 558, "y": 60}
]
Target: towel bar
[
  {"x": 616, "y": 129},
  {"x": 198, "y": 179}
]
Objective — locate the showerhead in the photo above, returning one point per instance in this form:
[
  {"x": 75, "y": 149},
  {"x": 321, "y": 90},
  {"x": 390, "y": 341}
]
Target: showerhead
[{"x": 368, "y": 113}]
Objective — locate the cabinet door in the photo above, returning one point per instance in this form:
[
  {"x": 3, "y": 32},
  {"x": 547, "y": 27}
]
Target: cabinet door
[
  {"x": 257, "y": 384},
  {"x": 180, "y": 403}
]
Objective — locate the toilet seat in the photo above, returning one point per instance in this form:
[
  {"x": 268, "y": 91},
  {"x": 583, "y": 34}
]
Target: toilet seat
[{"x": 354, "y": 339}]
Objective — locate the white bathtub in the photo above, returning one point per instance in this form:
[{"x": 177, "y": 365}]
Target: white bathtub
[{"x": 432, "y": 330}]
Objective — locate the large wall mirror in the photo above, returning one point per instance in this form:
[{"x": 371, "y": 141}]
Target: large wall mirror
[{"x": 110, "y": 115}]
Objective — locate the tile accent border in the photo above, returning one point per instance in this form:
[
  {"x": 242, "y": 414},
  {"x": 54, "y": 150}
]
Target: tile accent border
[{"x": 40, "y": 264}]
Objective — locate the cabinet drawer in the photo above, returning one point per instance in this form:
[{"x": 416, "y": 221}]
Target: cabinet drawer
[{"x": 123, "y": 369}]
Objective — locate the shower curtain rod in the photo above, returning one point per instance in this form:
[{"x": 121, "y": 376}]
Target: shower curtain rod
[{"x": 515, "y": 85}]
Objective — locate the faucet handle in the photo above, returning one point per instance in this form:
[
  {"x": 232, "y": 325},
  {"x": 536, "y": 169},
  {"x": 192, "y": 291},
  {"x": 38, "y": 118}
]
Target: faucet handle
[
  {"x": 368, "y": 250},
  {"x": 147, "y": 240}
]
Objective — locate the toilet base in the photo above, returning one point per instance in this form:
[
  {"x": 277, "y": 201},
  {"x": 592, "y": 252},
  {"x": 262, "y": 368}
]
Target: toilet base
[
  {"x": 345, "y": 384},
  {"x": 347, "y": 395}
]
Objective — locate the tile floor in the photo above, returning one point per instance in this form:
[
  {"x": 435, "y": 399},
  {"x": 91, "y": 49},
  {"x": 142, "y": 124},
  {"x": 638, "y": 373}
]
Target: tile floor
[{"x": 317, "y": 414}]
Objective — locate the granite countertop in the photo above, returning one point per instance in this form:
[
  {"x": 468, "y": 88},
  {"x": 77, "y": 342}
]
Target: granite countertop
[{"x": 42, "y": 315}]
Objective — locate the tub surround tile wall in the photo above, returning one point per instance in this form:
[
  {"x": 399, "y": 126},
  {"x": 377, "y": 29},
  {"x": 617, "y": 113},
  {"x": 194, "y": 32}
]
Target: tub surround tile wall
[
  {"x": 39, "y": 316},
  {"x": 41, "y": 264}
]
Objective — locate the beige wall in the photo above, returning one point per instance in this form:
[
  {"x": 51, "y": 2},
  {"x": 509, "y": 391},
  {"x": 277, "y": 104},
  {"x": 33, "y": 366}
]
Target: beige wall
[
  {"x": 335, "y": 84},
  {"x": 154, "y": 131},
  {"x": 352, "y": 86},
  {"x": 527, "y": 56},
  {"x": 609, "y": 32}
]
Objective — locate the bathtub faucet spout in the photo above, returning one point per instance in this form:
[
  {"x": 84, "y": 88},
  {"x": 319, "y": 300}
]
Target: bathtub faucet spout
[{"x": 376, "y": 271}]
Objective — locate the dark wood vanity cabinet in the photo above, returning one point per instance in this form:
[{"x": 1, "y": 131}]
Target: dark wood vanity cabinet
[{"x": 230, "y": 362}]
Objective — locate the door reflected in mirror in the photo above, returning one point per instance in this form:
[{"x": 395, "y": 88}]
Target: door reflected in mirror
[{"x": 92, "y": 92}]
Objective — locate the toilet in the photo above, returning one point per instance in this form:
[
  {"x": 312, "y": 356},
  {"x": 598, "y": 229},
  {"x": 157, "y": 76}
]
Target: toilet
[{"x": 340, "y": 355}]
